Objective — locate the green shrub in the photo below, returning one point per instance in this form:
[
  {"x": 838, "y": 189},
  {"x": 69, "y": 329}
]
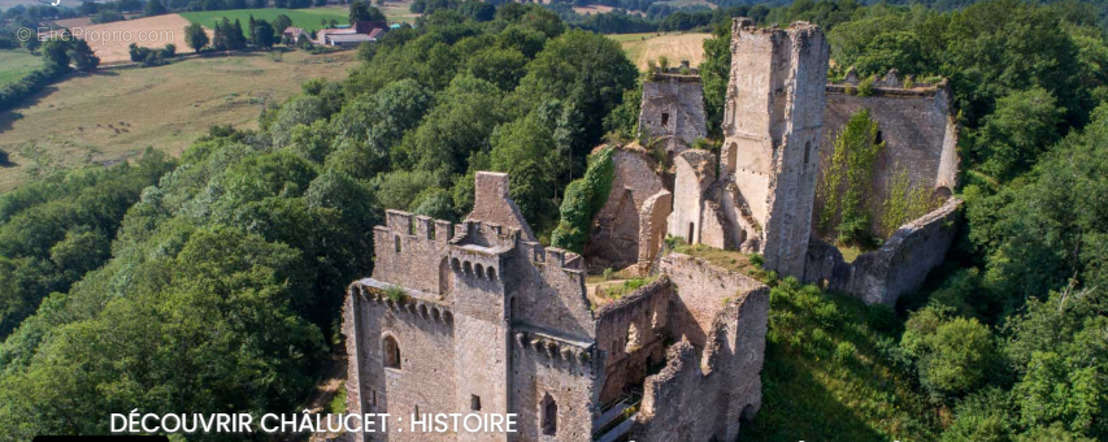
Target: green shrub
[
  {"x": 865, "y": 87},
  {"x": 583, "y": 199}
]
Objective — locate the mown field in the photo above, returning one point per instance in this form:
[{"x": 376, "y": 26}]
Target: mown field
[
  {"x": 114, "y": 115},
  {"x": 650, "y": 45},
  {"x": 14, "y": 64},
  {"x": 307, "y": 19}
]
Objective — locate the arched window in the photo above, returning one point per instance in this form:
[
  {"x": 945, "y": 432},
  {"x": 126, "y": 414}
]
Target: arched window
[
  {"x": 468, "y": 268},
  {"x": 480, "y": 270},
  {"x": 549, "y": 410},
  {"x": 665, "y": 119},
  {"x": 492, "y": 273},
  {"x": 391, "y": 352}
]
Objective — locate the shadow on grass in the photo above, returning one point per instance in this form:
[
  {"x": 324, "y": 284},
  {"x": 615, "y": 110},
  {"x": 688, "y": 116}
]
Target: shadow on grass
[{"x": 796, "y": 406}]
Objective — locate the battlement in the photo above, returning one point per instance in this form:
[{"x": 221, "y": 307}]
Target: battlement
[
  {"x": 485, "y": 234},
  {"x": 559, "y": 258},
  {"x": 423, "y": 227},
  {"x": 417, "y": 304}
]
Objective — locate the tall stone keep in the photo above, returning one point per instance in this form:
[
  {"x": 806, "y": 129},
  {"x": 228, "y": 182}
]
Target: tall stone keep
[
  {"x": 672, "y": 109},
  {"x": 772, "y": 124}
]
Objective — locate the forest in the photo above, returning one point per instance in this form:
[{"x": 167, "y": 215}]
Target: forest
[{"x": 213, "y": 282}]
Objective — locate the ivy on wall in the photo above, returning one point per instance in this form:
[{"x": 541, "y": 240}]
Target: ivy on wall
[{"x": 584, "y": 197}]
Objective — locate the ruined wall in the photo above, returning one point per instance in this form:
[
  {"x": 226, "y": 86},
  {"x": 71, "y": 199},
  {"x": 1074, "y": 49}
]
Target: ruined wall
[
  {"x": 410, "y": 251},
  {"x": 673, "y": 107},
  {"x": 614, "y": 240},
  {"x": 772, "y": 126},
  {"x": 424, "y": 332},
  {"x": 916, "y": 124},
  {"x": 695, "y": 171},
  {"x": 547, "y": 290},
  {"x": 702, "y": 289},
  {"x": 898, "y": 267},
  {"x": 565, "y": 370},
  {"x": 630, "y": 333},
  {"x": 704, "y": 394},
  {"x": 652, "y": 227}
]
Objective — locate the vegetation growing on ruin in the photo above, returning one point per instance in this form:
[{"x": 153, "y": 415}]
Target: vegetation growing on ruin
[
  {"x": 904, "y": 203},
  {"x": 735, "y": 261},
  {"x": 583, "y": 200},
  {"x": 846, "y": 185}
]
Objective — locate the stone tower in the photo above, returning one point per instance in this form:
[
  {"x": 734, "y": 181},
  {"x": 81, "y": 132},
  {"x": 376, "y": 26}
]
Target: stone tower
[
  {"x": 673, "y": 108},
  {"x": 772, "y": 126}
]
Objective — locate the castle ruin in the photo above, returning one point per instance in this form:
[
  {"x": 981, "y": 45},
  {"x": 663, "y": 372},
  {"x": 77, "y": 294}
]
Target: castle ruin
[
  {"x": 757, "y": 195},
  {"x": 479, "y": 317}
]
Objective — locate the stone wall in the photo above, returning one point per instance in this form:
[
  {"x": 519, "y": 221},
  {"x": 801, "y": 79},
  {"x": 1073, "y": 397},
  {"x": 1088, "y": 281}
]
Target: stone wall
[
  {"x": 652, "y": 227},
  {"x": 614, "y": 241},
  {"x": 703, "y": 290},
  {"x": 673, "y": 108},
  {"x": 705, "y": 390},
  {"x": 424, "y": 333},
  {"x": 899, "y": 267},
  {"x": 492, "y": 204},
  {"x": 695, "y": 172},
  {"x": 544, "y": 365},
  {"x": 409, "y": 251},
  {"x": 916, "y": 125},
  {"x": 772, "y": 124},
  {"x": 547, "y": 290},
  {"x": 631, "y": 333}
]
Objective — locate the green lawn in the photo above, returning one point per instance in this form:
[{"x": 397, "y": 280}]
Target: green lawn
[
  {"x": 14, "y": 64},
  {"x": 307, "y": 19}
]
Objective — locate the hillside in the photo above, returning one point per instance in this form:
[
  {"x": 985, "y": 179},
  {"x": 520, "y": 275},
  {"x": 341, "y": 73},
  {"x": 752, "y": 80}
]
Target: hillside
[{"x": 165, "y": 107}]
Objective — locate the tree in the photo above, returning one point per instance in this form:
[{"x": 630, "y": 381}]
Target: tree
[
  {"x": 196, "y": 37},
  {"x": 280, "y": 23},
  {"x": 55, "y": 51},
  {"x": 262, "y": 34},
  {"x": 953, "y": 355},
  {"x": 155, "y": 7},
  {"x": 1024, "y": 124},
  {"x": 360, "y": 11}
]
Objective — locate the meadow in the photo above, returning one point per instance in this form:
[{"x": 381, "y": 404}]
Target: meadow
[
  {"x": 678, "y": 46},
  {"x": 111, "y": 116},
  {"x": 307, "y": 19},
  {"x": 16, "y": 63}
]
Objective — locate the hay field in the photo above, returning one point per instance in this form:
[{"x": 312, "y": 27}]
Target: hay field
[
  {"x": 110, "y": 40},
  {"x": 16, "y": 63},
  {"x": 111, "y": 116},
  {"x": 676, "y": 46}
]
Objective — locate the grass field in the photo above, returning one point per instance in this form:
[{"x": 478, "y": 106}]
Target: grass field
[
  {"x": 111, "y": 116},
  {"x": 16, "y": 63},
  {"x": 649, "y": 46},
  {"x": 307, "y": 19}
]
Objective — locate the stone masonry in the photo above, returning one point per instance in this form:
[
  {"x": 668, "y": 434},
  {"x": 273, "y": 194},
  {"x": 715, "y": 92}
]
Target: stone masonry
[
  {"x": 478, "y": 318},
  {"x": 672, "y": 109}
]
